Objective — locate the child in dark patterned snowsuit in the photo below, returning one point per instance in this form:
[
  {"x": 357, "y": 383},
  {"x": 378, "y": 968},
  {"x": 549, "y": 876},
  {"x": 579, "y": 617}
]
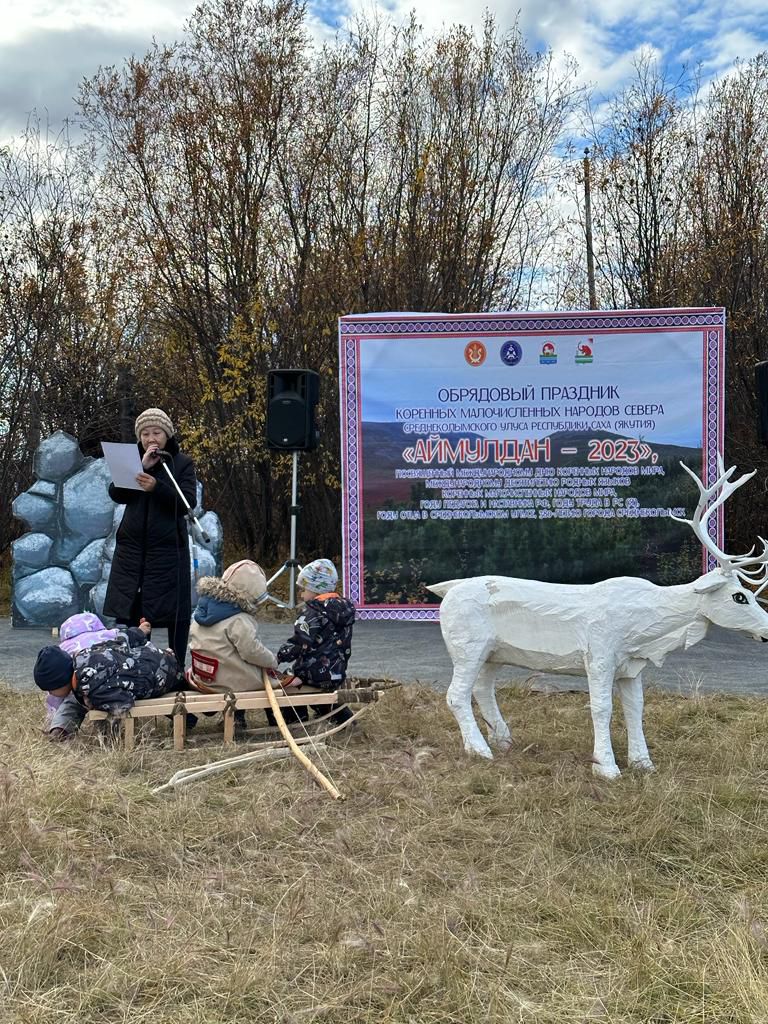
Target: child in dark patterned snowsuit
[
  {"x": 108, "y": 677},
  {"x": 77, "y": 633},
  {"x": 322, "y": 635}
]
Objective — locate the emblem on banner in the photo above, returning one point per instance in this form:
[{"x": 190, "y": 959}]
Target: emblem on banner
[
  {"x": 548, "y": 354},
  {"x": 584, "y": 352},
  {"x": 475, "y": 353},
  {"x": 511, "y": 353}
]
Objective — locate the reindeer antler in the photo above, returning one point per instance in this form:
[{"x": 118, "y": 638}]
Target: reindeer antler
[{"x": 702, "y": 514}]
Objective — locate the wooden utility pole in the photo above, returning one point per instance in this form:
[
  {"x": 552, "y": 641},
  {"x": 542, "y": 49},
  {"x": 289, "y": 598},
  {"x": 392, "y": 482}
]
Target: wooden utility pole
[{"x": 588, "y": 228}]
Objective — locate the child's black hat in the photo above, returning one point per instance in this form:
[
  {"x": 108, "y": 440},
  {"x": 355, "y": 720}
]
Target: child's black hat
[{"x": 53, "y": 668}]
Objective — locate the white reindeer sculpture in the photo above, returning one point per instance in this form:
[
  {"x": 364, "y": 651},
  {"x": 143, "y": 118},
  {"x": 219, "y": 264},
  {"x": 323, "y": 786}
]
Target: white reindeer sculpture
[{"x": 606, "y": 631}]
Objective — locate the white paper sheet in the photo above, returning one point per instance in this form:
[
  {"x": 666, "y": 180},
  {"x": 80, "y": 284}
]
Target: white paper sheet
[{"x": 124, "y": 463}]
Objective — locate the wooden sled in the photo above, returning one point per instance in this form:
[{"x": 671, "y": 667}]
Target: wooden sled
[{"x": 178, "y": 705}]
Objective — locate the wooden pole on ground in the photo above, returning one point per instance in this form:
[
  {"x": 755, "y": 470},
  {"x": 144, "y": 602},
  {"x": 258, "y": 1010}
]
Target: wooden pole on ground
[{"x": 285, "y": 732}]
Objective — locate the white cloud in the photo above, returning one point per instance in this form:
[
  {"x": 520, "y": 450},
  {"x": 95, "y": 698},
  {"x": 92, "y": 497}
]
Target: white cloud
[
  {"x": 130, "y": 16},
  {"x": 729, "y": 46},
  {"x": 47, "y": 46},
  {"x": 42, "y": 71}
]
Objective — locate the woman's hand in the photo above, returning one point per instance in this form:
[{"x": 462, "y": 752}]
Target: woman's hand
[
  {"x": 146, "y": 482},
  {"x": 150, "y": 458}
]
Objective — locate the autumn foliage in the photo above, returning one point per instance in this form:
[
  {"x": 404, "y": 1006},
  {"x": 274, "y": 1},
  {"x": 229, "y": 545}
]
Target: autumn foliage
[{"x": 230, "y": 196}]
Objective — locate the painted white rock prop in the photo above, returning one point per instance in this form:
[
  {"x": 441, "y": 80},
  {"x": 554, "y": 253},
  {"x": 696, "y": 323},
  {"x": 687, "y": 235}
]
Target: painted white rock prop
[{"x": 608, "y": 632}]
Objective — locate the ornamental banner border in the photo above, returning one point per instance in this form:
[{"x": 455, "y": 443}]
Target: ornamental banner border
[{"x": 354, "y": 329}]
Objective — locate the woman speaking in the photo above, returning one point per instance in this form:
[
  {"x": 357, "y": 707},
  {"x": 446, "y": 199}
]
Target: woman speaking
[{"x": 150, "y": 577}]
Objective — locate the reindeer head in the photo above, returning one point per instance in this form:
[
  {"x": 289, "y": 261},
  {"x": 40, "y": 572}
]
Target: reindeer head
[{"x": 725, "y": 600}]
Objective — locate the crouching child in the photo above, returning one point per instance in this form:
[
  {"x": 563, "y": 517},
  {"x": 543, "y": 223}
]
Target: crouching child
[
  {"x": 77, "y": 633},
  {"x": 321, "y": 645},
  {"x": 108, "y": 677}
]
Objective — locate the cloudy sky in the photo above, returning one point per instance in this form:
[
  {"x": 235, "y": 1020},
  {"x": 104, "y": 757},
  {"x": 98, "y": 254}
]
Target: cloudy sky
[{"x": 48, "y": 46}]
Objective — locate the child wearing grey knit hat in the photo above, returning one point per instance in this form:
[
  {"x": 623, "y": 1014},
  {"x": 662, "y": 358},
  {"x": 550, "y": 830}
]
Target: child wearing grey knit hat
[{"x": 321, "y": 644}]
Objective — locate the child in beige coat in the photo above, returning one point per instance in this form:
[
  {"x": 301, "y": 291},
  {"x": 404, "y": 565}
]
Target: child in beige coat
[{"x": 224, "y": 638}]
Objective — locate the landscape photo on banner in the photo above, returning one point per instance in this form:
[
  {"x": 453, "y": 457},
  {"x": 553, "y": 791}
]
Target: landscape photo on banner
[{"x": 538, "y": 445}]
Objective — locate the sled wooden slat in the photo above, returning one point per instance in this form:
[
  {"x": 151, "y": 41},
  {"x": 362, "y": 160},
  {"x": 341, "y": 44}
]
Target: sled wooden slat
[
  {"x": 128, "y": 733},
  {"x": 229, "y": 726},
  {"x": 179, "y": 731},
  {"x": 177, "y": 705},
  {"x": 199, "y": 702}
]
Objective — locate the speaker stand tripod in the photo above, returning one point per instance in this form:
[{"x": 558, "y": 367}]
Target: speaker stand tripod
[{"x": 290, "y": 565}]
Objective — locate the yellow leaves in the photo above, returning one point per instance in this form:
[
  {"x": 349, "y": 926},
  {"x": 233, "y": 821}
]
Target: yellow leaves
[
  {"x": 237, "y": 441},
  {"x": 240, "y": 359}
]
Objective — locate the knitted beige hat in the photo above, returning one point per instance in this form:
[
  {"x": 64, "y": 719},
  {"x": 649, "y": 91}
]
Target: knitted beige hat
[
  {"x": 248, "y": 578},
  {"x": 153, "y": 418}
]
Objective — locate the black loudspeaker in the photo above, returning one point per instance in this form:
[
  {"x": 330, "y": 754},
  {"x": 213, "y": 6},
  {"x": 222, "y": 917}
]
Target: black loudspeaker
[
  {"x": 291, "y": 400},
  {"x": 761, "y": 387}
]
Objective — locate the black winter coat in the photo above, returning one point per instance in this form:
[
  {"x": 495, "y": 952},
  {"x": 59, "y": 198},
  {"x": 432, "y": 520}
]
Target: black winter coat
[
  {"x": 152, "y": 550},
  {"x": 322, "y": 642}
]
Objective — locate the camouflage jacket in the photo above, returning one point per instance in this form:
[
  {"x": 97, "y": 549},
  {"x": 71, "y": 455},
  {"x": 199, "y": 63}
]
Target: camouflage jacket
[
  {"x": 113, "y": 675},
  {"x": 322, "y": 642}
]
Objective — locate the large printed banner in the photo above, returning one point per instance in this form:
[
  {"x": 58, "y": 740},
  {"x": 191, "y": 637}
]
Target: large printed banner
[{"x": 539, "y": 445}]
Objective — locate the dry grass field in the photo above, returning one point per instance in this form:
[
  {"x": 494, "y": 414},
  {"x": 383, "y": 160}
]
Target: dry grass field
[{"x": 443, "y": 890}]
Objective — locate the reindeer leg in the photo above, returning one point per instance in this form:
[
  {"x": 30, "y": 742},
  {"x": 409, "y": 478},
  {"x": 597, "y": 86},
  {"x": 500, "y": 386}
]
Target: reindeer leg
[
  {"x": 466, "y": 665},
  {"x": 631, "y": 691},
  {"x": 485, "y": 695},
  {"x": 600, "y": 677}
]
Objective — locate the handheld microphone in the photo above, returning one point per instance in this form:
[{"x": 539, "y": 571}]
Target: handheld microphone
[{"x": 160, "y": 453}]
